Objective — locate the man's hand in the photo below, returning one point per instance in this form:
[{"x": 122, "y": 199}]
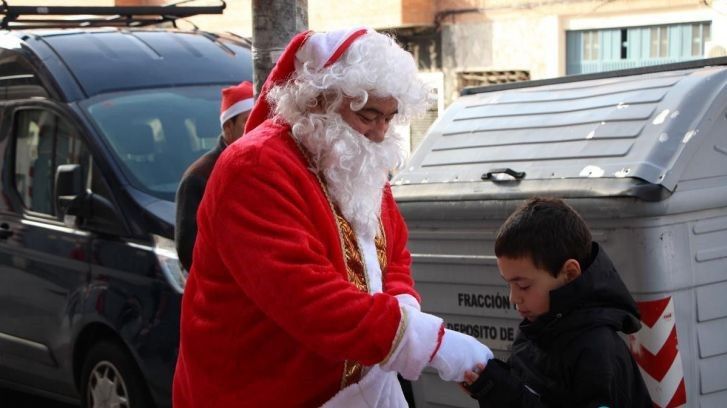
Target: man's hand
[{"x": 458, "y": 354}]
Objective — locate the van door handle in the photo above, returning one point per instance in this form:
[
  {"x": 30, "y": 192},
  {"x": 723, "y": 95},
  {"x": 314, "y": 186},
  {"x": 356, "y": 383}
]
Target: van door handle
[{"x": 5, "y": 232}]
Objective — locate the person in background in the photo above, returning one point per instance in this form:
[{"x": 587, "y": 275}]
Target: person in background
[
  {"x": 236, "y": 104},
  {"x": 301, "y": 292},
  {"x": 568, "y": 352}
]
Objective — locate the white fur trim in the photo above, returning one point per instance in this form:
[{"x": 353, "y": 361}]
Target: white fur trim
[
  {"x": 415, "y": 348},
  {"x": 371, "y": 262},
  {"x": 236, "y": 109},
  {"x": 377, "y": 388},
  {"x": 319, "y": 47},
  {"x": 409, "y": 300}
]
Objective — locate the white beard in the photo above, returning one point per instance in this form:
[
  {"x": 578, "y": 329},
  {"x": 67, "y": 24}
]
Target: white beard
[{"x": 355, "y": 169}]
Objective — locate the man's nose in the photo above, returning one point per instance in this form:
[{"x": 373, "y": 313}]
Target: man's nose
[{"x": 378, "y": 132}]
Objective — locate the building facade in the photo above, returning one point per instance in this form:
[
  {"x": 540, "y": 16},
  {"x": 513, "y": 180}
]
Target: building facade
[{"x": 481, "y": 42}]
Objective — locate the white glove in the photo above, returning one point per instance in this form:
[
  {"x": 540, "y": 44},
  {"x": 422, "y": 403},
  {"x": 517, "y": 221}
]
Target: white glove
[
  {"x": 416, "y": 345},
  {"x": 459, "y": 353}
]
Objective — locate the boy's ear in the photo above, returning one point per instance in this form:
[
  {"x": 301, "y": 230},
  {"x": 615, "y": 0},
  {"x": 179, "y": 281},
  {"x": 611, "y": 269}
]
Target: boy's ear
[{"x": 571, "y": 270}]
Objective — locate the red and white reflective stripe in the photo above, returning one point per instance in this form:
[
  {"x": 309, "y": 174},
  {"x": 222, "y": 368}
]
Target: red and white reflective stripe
[{"x": 656, "y": 350}]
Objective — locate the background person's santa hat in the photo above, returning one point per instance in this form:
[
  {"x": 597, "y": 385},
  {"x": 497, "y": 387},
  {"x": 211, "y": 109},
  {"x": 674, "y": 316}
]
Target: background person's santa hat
[
  {"x": 317, "y": 50},
  {"x": 236, "y": 100}
]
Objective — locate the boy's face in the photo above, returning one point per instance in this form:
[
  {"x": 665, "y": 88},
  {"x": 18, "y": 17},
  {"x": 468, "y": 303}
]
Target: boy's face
[{"x": 529, "y": 285}]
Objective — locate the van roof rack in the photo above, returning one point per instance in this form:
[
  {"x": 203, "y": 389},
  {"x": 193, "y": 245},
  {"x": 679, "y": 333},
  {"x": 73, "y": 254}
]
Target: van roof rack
[{"x": 33, "y": 17}]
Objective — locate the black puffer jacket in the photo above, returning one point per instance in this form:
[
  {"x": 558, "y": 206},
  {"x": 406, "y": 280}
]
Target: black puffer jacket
[{"x": 572, "y": 356}]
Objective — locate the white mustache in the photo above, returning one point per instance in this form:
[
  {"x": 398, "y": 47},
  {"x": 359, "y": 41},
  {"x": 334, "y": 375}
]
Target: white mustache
[{"x": 355, "y": 169}]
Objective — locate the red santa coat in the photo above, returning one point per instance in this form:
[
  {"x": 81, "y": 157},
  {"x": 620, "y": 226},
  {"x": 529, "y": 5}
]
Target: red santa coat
[{"x": 268, "y": 315}]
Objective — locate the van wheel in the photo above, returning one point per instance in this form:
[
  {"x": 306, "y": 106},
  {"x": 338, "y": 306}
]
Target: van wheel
[{"x": 111, "y": 379}]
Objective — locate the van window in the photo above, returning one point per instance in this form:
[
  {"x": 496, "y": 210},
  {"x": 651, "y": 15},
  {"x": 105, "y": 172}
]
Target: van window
[
  {"x": 155, "y": 134},
  {"x": 43, "y": 141},
  {"x": 18, "y": 79}
]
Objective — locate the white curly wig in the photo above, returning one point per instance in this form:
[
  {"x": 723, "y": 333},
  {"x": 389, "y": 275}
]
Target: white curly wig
[
  {"x": 374, "y": 64},
  {"x": 355, "y": 169}
]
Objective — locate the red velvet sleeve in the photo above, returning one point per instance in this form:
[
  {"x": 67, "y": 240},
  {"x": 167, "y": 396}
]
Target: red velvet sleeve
[
  {"x": 397, "y": 276},
  {"x": 274, "y": 233}
]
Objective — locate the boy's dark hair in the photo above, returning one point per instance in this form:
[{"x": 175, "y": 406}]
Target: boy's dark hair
[{"x": 549, "y": 231}]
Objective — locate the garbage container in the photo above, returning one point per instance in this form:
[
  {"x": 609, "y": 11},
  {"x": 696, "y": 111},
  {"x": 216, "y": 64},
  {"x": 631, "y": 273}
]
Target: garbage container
[{"x": 641, "y": 154}]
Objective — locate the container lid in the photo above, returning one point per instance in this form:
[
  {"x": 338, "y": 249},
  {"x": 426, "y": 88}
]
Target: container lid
[{"x": 620, "y": 129}]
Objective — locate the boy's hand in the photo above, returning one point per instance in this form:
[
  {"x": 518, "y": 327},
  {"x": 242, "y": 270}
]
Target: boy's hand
[{"x": 471, "y": 376}]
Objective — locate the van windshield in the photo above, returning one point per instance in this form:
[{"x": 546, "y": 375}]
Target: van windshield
[{"x": 157, "y": 133}]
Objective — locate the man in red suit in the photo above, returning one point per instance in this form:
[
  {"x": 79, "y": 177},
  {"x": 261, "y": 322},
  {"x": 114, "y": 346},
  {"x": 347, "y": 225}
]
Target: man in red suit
[{"x": 300, "y": 293}]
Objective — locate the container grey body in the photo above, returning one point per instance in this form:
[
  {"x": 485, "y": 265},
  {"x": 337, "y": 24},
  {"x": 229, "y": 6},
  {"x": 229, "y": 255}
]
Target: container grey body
[{"x": 641, "y": 154}]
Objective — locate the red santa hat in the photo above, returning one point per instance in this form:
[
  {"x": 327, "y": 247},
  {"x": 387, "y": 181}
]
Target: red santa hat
[
  {"x": 236, "y": 100},
  {"x": 318, "y": 50}
]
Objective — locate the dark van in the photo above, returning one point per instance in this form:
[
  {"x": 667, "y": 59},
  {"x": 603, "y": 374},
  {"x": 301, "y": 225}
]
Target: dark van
[{"x": 97, "y": 126}]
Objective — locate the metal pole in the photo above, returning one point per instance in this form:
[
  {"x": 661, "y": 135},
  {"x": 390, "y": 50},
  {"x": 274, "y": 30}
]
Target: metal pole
[{"x": 274, "y": 23}]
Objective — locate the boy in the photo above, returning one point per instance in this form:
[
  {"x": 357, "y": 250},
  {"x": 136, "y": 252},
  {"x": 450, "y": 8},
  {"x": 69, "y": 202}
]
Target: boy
[{"x": 573, "y": 303}]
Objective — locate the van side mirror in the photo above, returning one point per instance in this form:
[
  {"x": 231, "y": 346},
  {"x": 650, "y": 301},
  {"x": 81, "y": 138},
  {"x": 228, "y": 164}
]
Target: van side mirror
[
  {"x": 102, "y": 216},
  {"x": 79, "y": 207},
  {"x": 68, "y": 189}
]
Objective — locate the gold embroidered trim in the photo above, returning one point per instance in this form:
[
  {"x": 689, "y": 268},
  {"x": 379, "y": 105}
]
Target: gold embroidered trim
[
  {"x": 352, "y": 371},
  {"x": 380, "y": 241},
  {"x": 403, "y": 322},
  {"x": 355, "y": 266}
]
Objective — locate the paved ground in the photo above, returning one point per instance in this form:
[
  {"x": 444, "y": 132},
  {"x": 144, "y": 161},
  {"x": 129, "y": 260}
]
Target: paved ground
[{"x": 14, "y": 399}]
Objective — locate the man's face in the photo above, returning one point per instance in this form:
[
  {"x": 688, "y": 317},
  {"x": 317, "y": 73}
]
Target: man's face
[
  {"x": 373, "y": 119},
  {"x": 235, "y": 126},
  {"x": 529, "y": 285}
]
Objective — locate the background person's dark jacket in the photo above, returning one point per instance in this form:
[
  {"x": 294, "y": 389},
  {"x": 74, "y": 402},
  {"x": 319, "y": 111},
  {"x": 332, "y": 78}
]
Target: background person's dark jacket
[
  {"x": 189, "y": 195},
  {"x": 572, "y": 356}
]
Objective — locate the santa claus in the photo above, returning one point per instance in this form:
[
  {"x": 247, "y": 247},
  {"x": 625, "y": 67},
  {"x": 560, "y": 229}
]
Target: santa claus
[{"x": 300, "y": 294}]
